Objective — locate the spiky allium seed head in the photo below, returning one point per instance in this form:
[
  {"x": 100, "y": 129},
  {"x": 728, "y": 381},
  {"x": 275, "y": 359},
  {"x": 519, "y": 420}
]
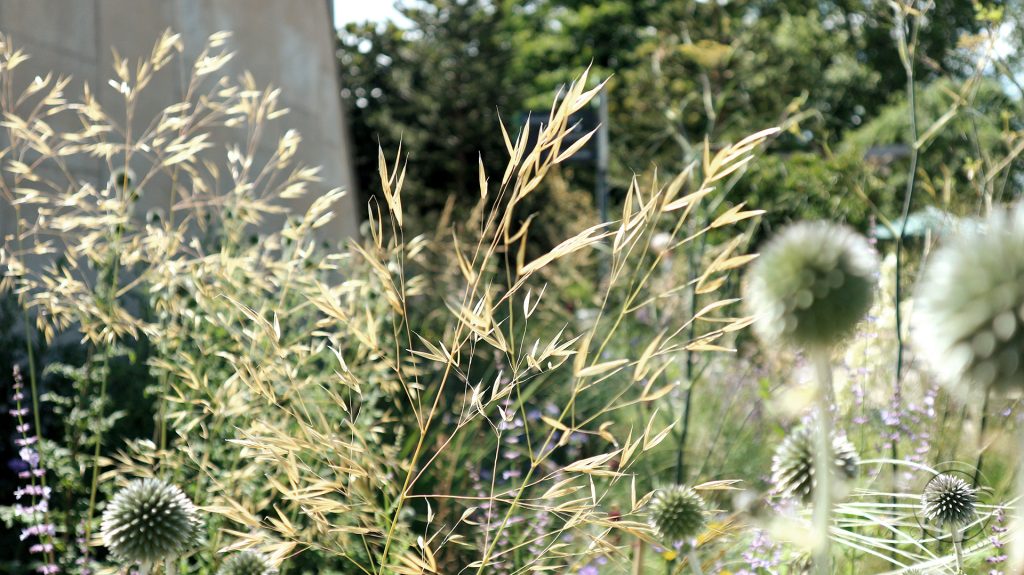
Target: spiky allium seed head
[
  {"x": 969, "y": 312},
  {"x": 813, "y": 282},
  {"x": 247, "y": 563},
  {"x": 793, "y": 463},
  {"x": 677, "y": 513},
  {"x": 121, "y": 178},
  {"x": 948, "y": 501},
  {"x": 149, "y": 520}
]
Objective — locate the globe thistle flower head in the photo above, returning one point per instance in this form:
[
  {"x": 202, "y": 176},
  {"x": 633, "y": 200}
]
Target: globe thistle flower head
[
  {"x": 247, "y": 563},
  {"x": 677, "y": 513},
  {"x": 793, "y": 463},
  {"x": 969, "y": 312},
  {"x": 149, "y": 520},
  {"x": 812, "y": 284},
  {"x": 948, "y": 501},
  {"x": 122, "y": 179}
]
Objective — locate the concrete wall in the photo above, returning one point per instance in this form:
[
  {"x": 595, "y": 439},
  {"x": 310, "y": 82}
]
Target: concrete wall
[{"x": 286, "y": 43}]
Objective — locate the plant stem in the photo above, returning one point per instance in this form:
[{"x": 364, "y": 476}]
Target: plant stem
[
  {"x": 638, "y": 557},
  {"x": 694, "y": 253},
  {"x": 1017, "y": 549},
  {"x": 958, "y": 546},
  {"x": 823, "y": 463},
  {"x": 981, "y": 438},
  {"x": 694, "y": 561}
]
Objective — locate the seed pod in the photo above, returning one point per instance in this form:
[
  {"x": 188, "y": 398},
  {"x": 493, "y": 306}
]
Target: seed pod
[
  {"x": 150, "y": 520},
  {"x": 793, "y": 464},
  {"x": 247, "y": 563},
  {"x": 948, "y": 501},
  {"x": 677, "y": 513}
]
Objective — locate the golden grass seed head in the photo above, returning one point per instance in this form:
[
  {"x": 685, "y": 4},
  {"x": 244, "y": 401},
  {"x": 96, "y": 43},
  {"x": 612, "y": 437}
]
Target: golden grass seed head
[
  {"x": 150, "y": 520},
  {"x": 247, "y": 563},
  {"x": 677, "y": 513},
  {"x": 812, "y": 284},
  {"x": 948, "y": 501},
  {"x": 793, "y": 463},
  {"x": 969, "y": 313}
]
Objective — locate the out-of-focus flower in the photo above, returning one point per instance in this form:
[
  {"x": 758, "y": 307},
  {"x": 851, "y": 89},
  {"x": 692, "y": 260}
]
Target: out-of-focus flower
[
  {"x": 247, "y": 563},
  {"x": 811, "y": 285},
  {"x": 793, "y": 463},
  {"x": 969, "y": 322}
]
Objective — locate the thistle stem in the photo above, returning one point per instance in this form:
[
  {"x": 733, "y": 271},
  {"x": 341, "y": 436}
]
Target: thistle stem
[
  {"x": 691, "y": 555},
  {"x": 959, "y": 548},
  {"x": 822, "y": 463}
]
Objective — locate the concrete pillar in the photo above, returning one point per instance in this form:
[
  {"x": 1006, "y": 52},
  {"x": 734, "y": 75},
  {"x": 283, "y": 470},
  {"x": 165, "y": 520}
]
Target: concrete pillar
[{"x": 285, "y": 43}]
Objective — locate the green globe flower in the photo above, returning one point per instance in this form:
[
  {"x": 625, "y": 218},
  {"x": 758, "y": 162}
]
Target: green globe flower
[
  {"x": 122, "y": 179},
  {"x": 150, "y": 520},
  {"x": 969, "y": 312},
  {"x": 811, "y": 285},
  {"x": 677, "y": 513},
  {"x": 247, "y": 563},
  {"x": 949, "y": 501},
  {"x": 793, "y": 463}
]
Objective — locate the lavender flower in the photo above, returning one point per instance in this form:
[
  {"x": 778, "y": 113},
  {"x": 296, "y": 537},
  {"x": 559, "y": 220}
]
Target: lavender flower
[{"x": 35, "y": 515}]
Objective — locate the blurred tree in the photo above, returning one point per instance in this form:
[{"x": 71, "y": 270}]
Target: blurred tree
[
  {"x": 682, "y": 71},
  {"x": 436, "y": 85}
]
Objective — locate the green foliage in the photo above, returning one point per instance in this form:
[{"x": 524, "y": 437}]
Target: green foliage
[{"x": 437, "y": 88}]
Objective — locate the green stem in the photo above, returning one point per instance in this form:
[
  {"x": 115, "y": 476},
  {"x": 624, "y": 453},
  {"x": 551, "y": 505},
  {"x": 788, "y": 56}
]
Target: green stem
[
  {"x": 823, "y": 464},
  {"x": 694, "y": 561},
  {"x": 94, "y": 484},
  {"x": 958, "y": 546},
  {"x": 110, "y": 303},
  {"x": 1017, "y": 548},
  {"x": 981, "y": 439}
]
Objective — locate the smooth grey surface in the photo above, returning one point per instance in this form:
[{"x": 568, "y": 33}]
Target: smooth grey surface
[{"x": 284, "y": 43}]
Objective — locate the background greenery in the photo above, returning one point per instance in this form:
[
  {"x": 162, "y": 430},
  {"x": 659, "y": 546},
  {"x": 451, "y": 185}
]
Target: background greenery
[{"x": 198, "y": 390}]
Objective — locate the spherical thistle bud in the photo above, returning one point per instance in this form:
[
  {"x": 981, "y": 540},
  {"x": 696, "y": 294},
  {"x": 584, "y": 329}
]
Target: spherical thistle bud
[
  {"x": 122, "y": 179},
  {"x": 677, "y": 513},
  {"x": 247, "y": 563},
  {"x": 811, "y": 285},
  {"x": 150, "y": 520},
  {"x": 661, "y": 242},
  {"x": 948, "y": 501},
  {"x": 969, "y": 311},
  {"x": 793, "y": 463}
]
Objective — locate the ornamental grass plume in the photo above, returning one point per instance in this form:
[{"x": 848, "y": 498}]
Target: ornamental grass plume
[
  {"x": 793, "y": 464},
  {"x": 811, "y": 286},
  {"x": 148, "y": 521},
  {"x": 969, "y": 314}
]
